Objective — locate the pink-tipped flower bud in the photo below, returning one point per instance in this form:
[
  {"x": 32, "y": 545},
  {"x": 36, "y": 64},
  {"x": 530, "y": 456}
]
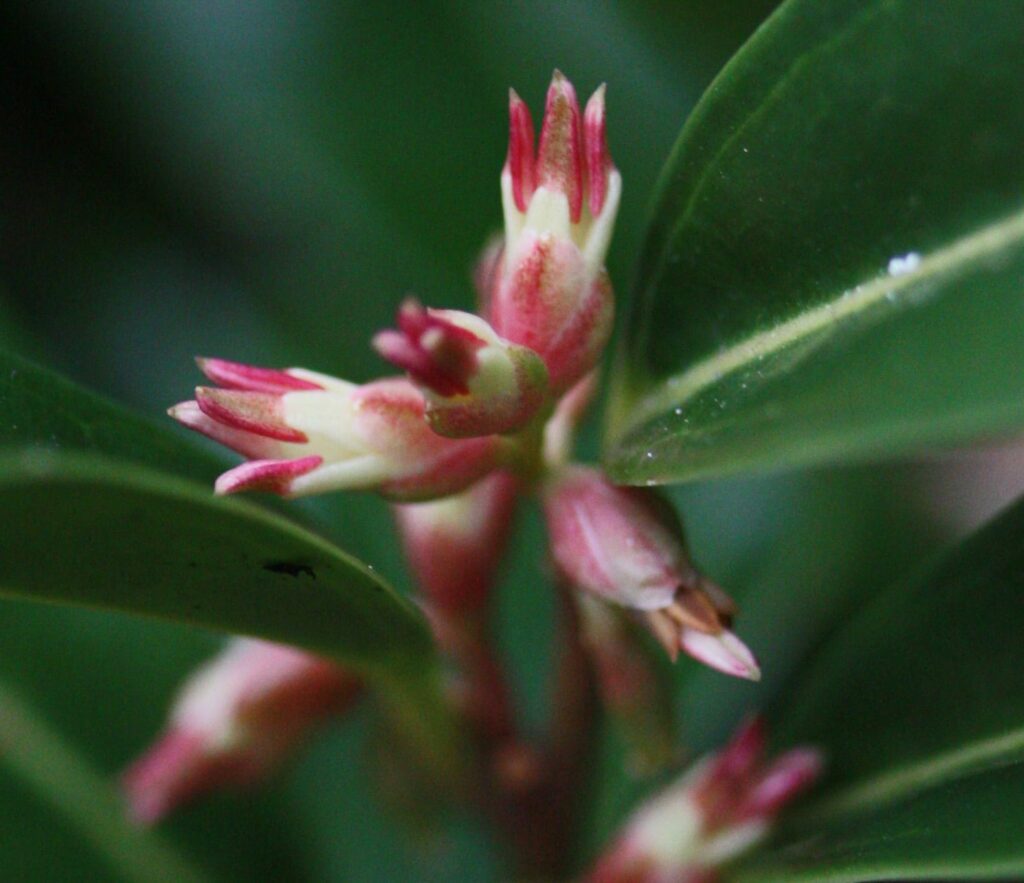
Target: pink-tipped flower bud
[
  {"x": 551, "y": 292},
  {"x": 307, "y": 433},
  {"x": 235, "y": 720},
  {"x": 474, "y": 382},
  {"x": 626, "y": 545},
  {"x": 710, "y": 816},
  {"x": 454, "y": 545}
]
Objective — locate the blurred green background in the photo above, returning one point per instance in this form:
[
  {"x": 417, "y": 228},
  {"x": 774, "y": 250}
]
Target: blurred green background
[{"x": 263, "y": 181}]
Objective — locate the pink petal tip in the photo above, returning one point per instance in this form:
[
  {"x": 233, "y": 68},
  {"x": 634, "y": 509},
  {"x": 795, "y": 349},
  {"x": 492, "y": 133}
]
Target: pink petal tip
[
  {"x": 235, "y": 375},
  {"x": 273, "y": 476},
  {"x": 257, "y": 412},
  {"x": 599, "y": 161},
  {"x": 560, "y": 154},
  {"x": 520, "y": 161}
]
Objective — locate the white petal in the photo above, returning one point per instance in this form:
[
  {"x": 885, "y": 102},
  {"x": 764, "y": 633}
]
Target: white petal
[{"x": 724, "y": 652}]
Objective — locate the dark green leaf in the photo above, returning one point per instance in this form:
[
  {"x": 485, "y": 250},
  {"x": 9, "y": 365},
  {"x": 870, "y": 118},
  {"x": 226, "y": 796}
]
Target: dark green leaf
[
  {"x": 84, "y": 800},
  {"x": 923, "y": 688},
  {"x": 42, "y": 409},
  {"x": 833, "y": 268},
  {"x": 86, "y": 531},
  {"x": 965, "y": 829}
]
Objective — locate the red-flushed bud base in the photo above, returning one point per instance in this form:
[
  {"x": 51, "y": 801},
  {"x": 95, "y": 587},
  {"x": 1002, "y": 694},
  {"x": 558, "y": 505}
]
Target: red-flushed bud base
[
  {"x": 546, "y": 300},
  {"x": 454, "y": 546}
]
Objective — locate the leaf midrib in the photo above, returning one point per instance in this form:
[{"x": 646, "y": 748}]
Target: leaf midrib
[
  {"x": 893, "y": 785},
  {"x": 964, "y": 251}
]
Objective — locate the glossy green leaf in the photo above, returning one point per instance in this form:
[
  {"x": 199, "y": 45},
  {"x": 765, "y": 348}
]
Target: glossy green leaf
[
  {"x": 965, "y": 829},
  {"x": 40, "y": 408},
  {"x": 834, "y": 264},
  {"x": 923, "y": 688},
  {"x": 87, "y": 531}
]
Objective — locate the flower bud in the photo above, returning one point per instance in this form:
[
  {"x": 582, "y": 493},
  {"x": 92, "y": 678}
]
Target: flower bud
[
  {"x": 626, "y": 546},
  {"x": 719, "y": 809},
  {"x": 454, "y": 545},
  {"x": 474, "y": 382},
  {"x": 307, "y": 433},
  {"x": 234, "y": 721},
  {"x": 551, "y": 293}
]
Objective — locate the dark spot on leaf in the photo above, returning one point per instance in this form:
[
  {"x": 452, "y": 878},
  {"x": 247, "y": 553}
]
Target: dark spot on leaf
[{"x": 291, "y": 568}]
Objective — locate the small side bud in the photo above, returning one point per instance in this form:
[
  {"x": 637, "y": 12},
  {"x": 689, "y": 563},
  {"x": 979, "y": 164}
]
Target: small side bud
[
  {"x": 486, "y": 272},
  {"x": 235, "y": 720},
  {"x": 705, "y": 819},
  {"x": 626, "y": 545},
  {"x": 560, "y": 430},
  {"x": 474, "y": 382}
]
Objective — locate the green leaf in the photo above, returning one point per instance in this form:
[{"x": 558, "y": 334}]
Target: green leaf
[
  {"x": 87, "y": 531},
  {"x": 40, "y": 408},
  {"x": 964, "y": 829},
  {"x": 833, "y": 266},
  {"x": 922, "y": 689},
  {"x": 85, "y": 800}
]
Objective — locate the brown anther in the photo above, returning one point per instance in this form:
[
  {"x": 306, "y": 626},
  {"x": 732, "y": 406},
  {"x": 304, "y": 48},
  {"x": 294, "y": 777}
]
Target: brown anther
[
  {"x": 693, "y": 609},
  {"x": 665, "y": 631}
]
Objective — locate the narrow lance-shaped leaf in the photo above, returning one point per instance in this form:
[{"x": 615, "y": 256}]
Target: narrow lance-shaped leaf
[
  {"x": 834, "y": 263},
  {"x": 916, "y": 703},
  {"x": 84, "y": 530}
]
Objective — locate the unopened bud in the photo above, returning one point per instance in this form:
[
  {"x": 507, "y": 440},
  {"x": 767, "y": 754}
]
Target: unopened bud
[
  {"x": 307, "y": 433},
  {"x": 474, "y": 382},
  {"x": 719, "y": 809},
  {"x": 235, "y": 720},
  {"x": 626, "y": 546},
  {"x": 552, "y": 293}
]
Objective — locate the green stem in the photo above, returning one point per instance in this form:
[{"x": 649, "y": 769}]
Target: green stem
[
  {"x": 60, "y": 776},
  {"x": 416, "y": 701}
]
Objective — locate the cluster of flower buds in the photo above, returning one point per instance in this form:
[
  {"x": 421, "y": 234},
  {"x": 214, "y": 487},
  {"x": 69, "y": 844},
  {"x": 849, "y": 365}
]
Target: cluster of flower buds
[
  {"x": 488, "y": 410},
  {"x": 235, "y": 720},
  {"x": 625, "y": 545},
  {"x": 718, "y": 810}
]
